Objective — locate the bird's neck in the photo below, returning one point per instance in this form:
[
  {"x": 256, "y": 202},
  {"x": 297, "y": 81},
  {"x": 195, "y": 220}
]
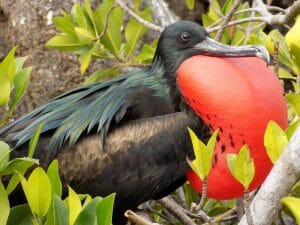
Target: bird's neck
[{"x": 165, "y": 75}]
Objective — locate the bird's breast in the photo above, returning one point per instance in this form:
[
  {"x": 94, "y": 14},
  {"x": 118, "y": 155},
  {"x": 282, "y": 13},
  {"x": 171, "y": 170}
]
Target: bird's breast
[{"x": 239, "y": 96}]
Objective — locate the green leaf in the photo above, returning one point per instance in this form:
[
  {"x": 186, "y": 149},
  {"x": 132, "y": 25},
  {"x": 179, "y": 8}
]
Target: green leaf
[
  {"x": 85, "y": 58},
  {"x": 203, "y": 154},
  {"x": 64, "y": 24},
  {"x": 146, "y": 54},
  {"x": 19, "y": 61},
  {"x": 88, "y": 214},
  {"x": 74, "y": 204},
  {"x": 292, "y": 39},
  {"x": 137, "y": 5},
  {"x": 284, "y": 54},
  {"x": 296, "y": 190},
  {"x": 4, "y": 155},
  {"x": 78, "y": 15},
  {"x": 104, "y": 210},
  {"x": 61, "y": 212},
  {"x": 294, "y": 100},
  {"x": 20, "y": 82},
  {"x": 38, "y": 191},
  {"x": 20, "y": 165},
  {"x": 293, "y": 205},
  {"x": 112, "y": 38},
  {"x": 242, "y": 166},
  {"x": 84, "y": 36},
  {"x": 5, "y": 87},
  {"x": 101, "y": 74},
  {"x": 53, "y": 175},
  {"x": 214, "y": 10},
  {"x": 292, "y": 128},
  {"x": 34, "y": 140},
  {"x": 4, "y": 205},
  {"x": 8, "y": 64},
  {"x": 275, "y": 140},
  {"x": 190, "y": 4},
  {"x": 64, "y": 42},
  {"x": 207, "y": 21},
  {"x": 284, "y": 74},
  {"x": 134, "y": 31},
  {"x": 90, "y": 14},
  {"x": 20, "y": 215}
]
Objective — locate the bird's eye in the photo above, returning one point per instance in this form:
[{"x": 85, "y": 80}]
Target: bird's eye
[{"x": 184, "y": 37}]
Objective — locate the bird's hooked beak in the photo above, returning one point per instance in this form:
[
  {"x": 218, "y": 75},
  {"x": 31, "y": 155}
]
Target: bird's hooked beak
[{"x": 211, "y": 47}]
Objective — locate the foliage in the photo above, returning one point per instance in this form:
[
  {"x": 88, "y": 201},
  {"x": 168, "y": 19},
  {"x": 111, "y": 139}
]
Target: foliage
[
  {"x": 99, "y": 33},
  {"x": 43, "y": 192},
  {"x": 13, "y": 77},
  {"x": 275, "y": 140},
  {"x": 293, "y": 205},
  {"x": 242, "y": 166},
  {"x": 203, "y": 154}
]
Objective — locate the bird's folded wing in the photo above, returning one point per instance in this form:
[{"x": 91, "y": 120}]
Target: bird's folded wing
[
  {"x": 139, "y": 153},
  {"x": 92, "y": 107}
]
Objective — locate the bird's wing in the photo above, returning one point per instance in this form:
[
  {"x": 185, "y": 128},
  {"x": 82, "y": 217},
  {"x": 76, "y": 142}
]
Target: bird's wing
[
  {"x": 79, "y": 111},
  {"x": 148, "y": 155}
]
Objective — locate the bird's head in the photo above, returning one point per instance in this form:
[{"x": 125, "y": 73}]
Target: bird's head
[{"x": 184, "y": 39}]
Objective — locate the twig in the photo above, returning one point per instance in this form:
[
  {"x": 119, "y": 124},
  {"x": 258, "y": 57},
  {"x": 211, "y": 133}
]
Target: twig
[
  {"x": 203, "y": 196},
  {"x": 181, "y": 197},
  {"x": 176, "y": 210},
  {"x": 138, "y": 18},
  {"x": 276, "y": 57},
  {"x": 133, "y": 217},
  {"x": 227, "y": 18},
  {"x": 249, "y": 27},
  {"x": 223, "y": 216},
  {"x": 105, "y": 24},
  {"x": 246, "y": 203}
]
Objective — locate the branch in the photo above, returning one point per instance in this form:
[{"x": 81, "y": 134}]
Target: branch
[
  {"x": 138, "y": 18},
  {"x": 176, "y": 211},
  {"x": 163, "y": 13},
  {"x": 267, "y": 17},
  {"x": 133, "y": 217},
  {"x": 285, "y": 173}
]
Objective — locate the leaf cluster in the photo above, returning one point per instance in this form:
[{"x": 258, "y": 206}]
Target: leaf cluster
[{"x": 103, "y": 33}]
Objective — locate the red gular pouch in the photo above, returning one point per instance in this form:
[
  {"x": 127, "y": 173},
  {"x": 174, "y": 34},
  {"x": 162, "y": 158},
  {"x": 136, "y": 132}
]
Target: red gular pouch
[{"x": 239, "y": 96}]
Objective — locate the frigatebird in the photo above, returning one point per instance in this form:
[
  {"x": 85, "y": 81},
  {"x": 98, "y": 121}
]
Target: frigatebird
[{"x": 126, "y": 135}]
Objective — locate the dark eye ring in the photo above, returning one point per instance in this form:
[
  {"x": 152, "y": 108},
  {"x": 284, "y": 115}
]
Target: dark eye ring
[{"x": 185, "y": 37}]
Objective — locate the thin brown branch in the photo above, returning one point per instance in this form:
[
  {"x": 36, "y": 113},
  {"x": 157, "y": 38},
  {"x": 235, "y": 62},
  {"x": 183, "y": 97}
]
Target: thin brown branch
[
  {"x": 135, "y": 218},
  {"x": 138, "y": 18},
  {"x": 227, "y": 18},
  {"x": 105, "y": 24},
  {"x": 239, "y": 21},
  {"x": 276, "y": 57},
  {"x": 223, "y": 216},
  {"x": 203, "y": 196},
  {"x": 249, "y": 27},
  {"x": 176, "y": 210}
]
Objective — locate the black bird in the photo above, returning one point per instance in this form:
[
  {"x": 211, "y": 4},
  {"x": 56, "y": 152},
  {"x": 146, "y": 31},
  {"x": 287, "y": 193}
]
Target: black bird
[{"x": 125, "y": 135}]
